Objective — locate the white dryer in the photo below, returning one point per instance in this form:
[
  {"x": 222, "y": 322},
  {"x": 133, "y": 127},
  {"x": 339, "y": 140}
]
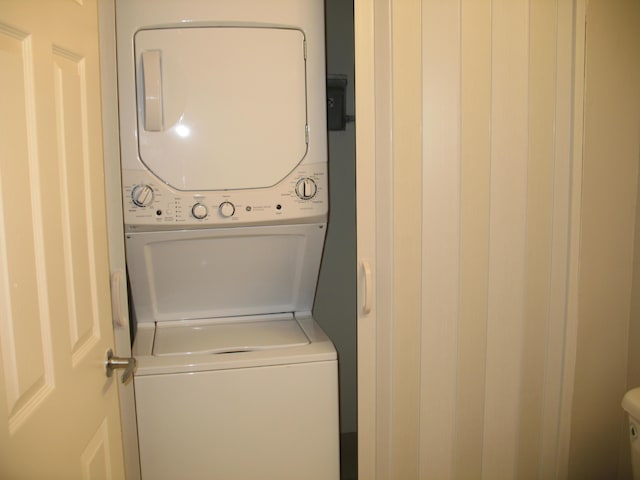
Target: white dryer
[{"x": 223, "y": 146}]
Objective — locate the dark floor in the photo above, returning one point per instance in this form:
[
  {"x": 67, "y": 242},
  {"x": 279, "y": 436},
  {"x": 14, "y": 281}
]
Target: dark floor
[{"x": 349, "y": 456}]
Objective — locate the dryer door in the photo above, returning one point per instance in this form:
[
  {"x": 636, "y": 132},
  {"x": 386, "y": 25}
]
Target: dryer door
[{"x": 221, "y": 107}]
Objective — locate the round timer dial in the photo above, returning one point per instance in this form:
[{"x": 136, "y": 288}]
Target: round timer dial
[
  {"x": 199, "y": 211},
  {"x": 142, "y": 195},
  {"x": 227, "y": 209},
  {"x": 306, "y": 188}
]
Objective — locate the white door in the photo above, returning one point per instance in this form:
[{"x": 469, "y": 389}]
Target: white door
[{"x": 58, "y": 411}]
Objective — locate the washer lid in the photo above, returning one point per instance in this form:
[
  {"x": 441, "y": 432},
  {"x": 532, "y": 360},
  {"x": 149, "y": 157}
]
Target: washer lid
[
  {"x": 231, "y": 336},
  {"x": 221, "y": 108}
]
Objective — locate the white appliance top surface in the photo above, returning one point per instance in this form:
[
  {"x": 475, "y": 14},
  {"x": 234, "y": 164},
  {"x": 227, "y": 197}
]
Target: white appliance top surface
[
  {"x": 316, "y": 346},
  {"x": 216, "y": 336}
]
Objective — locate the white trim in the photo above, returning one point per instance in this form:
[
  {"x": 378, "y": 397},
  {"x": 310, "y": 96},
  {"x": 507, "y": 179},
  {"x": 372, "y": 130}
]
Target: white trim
[
  {"x": 365, "y": 192},
  {"x": 374, "y": 190},
  {"x": 113, "y": 189}
]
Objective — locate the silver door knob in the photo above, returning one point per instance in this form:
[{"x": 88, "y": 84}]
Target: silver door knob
[{"x": 129, "y": 364}]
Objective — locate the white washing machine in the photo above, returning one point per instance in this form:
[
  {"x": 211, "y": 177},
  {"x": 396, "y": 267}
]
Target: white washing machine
[{"x": 224, "y": 171}]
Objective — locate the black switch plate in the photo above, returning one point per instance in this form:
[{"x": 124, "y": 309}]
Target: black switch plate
[{"x": 336, "y": 99}]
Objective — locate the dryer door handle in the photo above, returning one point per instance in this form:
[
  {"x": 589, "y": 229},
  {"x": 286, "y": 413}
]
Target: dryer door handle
[{"x": 152, "y": 82}]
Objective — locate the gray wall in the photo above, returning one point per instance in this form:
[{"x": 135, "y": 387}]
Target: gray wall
[{"x": 335, "y": 306}]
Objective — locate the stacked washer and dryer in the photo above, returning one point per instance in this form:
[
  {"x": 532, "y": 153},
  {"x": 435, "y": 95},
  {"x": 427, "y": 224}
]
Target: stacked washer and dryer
[{"x": 224, "y": 172}]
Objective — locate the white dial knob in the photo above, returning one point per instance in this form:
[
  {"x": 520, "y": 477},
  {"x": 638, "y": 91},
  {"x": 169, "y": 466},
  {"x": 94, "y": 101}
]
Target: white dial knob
[
  {"x": 142, "y": 195},
  {"x": 227, "y": 209},
  {"x": 199, "y": 211},
  {"x": 306, "y": 188}
]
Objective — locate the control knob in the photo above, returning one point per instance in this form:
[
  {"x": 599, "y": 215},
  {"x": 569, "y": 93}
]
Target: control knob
[
  {"x": 142, "y": 195},
  {"x": 227, "y": 209},
  {"x": 199, "y": 211},
  {"x": 306, "y": 188}
]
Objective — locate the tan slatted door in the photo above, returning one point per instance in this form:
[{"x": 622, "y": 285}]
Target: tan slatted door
[{"x": 58, "y": 411}]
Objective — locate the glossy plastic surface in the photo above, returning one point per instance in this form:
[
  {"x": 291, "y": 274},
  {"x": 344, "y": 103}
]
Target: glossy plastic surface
[{"x": 191, "y": 274}]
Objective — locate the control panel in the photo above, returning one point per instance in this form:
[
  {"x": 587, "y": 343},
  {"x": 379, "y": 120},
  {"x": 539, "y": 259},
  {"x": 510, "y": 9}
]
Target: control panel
[{"x": 149, "y": 204}]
